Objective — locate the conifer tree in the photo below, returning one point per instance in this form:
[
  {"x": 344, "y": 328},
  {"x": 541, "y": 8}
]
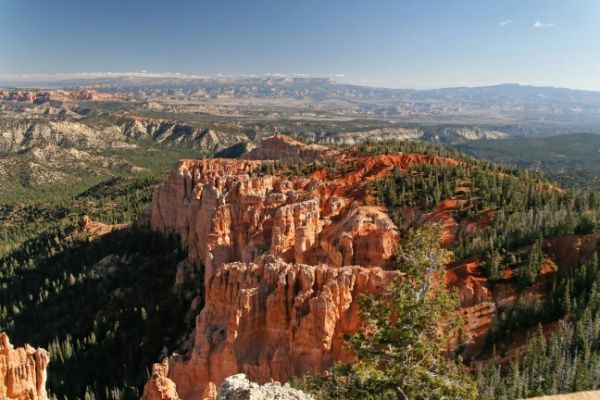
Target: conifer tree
[{"x": 400, "y": 347}]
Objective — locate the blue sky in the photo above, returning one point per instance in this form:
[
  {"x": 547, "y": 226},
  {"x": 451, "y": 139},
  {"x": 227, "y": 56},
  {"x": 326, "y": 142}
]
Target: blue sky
[{"x": 416, "y": 44}]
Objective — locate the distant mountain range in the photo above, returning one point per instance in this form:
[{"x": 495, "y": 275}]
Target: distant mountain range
[
  {"x": 507, "y": 103},
  {"x": 274, "y": 84}
]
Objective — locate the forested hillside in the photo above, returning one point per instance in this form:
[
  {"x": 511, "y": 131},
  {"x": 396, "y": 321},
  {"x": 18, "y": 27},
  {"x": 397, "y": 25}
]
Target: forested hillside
[
  {"x": 572, "y": 159},
  {"x": 517, "y": 213},
  {"x": 77, "y": 278}
]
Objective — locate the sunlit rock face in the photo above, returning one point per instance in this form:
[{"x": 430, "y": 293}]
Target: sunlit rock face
[
  {"x": 285, "y": 259},
  {"x": 238, "y": 387},
  {"x": 273, "y": 320},
  {"x": 22, "y": 371}
]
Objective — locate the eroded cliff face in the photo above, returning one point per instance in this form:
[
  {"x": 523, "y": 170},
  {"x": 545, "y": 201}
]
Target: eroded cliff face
[
  {"x": 285, "y": 259},
  {"x": 26, "y": 132},
  {"x": 225, "y": 212},
  {"x": 273, "y": 320},
  {"x": 22, "y": 371}
]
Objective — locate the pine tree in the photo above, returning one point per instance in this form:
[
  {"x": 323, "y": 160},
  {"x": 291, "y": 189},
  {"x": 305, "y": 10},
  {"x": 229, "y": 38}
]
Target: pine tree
[{"x": 400, "y": 347}]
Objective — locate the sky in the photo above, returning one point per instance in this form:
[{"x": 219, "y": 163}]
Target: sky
[{"x": 396, "y": 43}]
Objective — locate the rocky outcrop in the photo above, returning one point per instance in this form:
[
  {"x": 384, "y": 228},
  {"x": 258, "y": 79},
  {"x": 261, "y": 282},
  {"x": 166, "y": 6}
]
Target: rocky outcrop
[
  {"x": 228, "y": 210},
  {"x": 279, "y": 255},
  {"x": 80, "y": 95},
  {"x": 40, "y": 97},
  {"x": 20, "y": 135},
  {"x": 225, "y": 211},
  {"x": 180, "y": 134},
  {"x": 281, "y": 147},
  {"x": 32, "y": 132},
  {"x": 22, "y": 371},
  {"x": 238, "y": 387},
  {"x": 96, "y": 229},
  {"x": 378, "y": 134},
  {"x": 436, "y": 134},
  {"x": 273, "y": 320},
  {"x": 159, "y": 386},
  {"x": 285, "y": 259}
]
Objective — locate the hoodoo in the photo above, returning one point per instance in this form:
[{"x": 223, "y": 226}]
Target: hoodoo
[
  {"x": 285, "y": 259},
  {"x": 22, "y": 371}
]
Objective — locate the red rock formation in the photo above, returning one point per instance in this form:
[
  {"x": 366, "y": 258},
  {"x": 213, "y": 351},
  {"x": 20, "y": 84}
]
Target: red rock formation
[
  {"x": 22, "y": 371},
  {"x": 273, "y": 320},
  {"x": 90, "y": 95},
  {"x": 278, "y": 254},
  {"x": 480, "y": 301},
  {"x": 159, "y": 386},
  {"x": 96, "y": 229},
  {"x": 225, "y": 212},
  {"x": 82, "y": 95},
  {"x": 569, "y": 250},
  {"x": 281, "y": 147}
]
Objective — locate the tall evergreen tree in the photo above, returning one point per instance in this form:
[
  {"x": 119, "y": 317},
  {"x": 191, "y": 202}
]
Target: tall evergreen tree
[{"x": 401, "y": 346}]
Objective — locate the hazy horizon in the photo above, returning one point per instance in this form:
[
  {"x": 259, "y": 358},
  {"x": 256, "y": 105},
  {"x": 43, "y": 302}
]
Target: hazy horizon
[{"x": 52, "y": 81}]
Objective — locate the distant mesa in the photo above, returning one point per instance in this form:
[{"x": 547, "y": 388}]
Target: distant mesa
[{"x": 282, "y": 147}]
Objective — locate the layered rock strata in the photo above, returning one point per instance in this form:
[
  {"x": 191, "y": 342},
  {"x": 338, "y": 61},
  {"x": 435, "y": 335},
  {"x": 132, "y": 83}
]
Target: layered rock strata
[
  {"x": 225, "y": 211},
  {"x": 273, "y": 320}
]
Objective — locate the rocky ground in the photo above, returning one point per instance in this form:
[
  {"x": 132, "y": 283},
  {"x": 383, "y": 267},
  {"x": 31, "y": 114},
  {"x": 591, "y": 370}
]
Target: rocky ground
[{"x": 238, "y": 387}]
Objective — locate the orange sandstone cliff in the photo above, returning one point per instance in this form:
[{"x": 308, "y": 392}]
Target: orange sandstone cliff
[
  {"x": 22, "y": 371},
  {"x": 285, "y": 259},
  {"x": 272, "y": 320}
]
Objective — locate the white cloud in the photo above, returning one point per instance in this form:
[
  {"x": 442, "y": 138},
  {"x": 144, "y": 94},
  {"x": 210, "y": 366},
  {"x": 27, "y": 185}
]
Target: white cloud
[
  {"x": 339, "y": 75},
  {"x": 540, "y": 24},
  {"x": 505, "y": 23}
]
